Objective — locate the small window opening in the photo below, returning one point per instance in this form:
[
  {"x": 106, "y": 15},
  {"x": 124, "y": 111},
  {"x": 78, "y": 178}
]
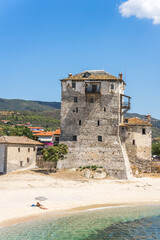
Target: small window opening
[
  {"x": 80, "y": 123},
  {"x": 98, "y": 123},
  {"x": 73, "y": 110},
  {"x": 75, "y": 99},
  {"x": 133, "y": 142},
  {"x": 76, "y": 109},
  {"x": 34, "y": 149},
  {"x": 28, "y": 160},
  {"x": 19, "y": 149},
  {"x": 112, "y": 86},
  {"x": 123, "y": 129},
  {"x": 143, "y": 131},
  {"x": 104, "y": 109},
  {"x": 74, "y": 138},
  {"x": 57, "y": 139},
  {"x": 21, "y": 163},
  {"x": 28, "y": 149},
  {"x": 99, "y": 138},
  {"x": 73, "y": 85},
  {"x": 91, "y": 100}
]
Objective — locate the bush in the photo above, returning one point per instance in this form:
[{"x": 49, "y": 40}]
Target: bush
[
  {"x": 156, "y": 148},
  {"x": 55, "y": 153}
]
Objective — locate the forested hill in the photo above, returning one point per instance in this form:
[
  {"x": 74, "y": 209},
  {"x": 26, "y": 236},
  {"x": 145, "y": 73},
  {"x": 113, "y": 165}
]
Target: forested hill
[
  {"x": 49, "y": 111},
  {"x": 27, "y": 105}
]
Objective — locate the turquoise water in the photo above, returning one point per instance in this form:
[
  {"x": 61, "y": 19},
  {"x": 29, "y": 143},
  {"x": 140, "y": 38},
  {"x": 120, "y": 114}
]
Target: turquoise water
[{"x": 133, "y": 223}]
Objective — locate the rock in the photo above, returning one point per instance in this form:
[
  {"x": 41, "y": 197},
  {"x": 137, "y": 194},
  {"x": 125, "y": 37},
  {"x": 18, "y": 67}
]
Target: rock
[
  {"x": 88, "y": 174},
  {"x": 72, "y": 169},
  {"x": 99, "y": 173}
]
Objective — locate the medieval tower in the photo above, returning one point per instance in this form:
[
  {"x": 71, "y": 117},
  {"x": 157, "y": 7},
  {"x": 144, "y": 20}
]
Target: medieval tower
[{"x": 92, "y": 108}]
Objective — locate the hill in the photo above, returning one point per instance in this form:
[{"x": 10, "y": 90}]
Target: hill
[
  {"x": 27, "y": 105},
  {"x": 47, "y": 114}
]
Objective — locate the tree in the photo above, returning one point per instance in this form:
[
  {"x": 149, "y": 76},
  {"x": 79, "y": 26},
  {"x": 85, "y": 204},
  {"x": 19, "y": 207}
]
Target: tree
[
  {"x": 156, "y": 148},
  {"x": 18, "y": 131},
  {"x": 55, "y": 153}
]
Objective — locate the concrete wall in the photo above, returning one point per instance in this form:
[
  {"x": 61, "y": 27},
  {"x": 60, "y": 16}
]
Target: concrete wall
[{"x": 14, "y": 157}]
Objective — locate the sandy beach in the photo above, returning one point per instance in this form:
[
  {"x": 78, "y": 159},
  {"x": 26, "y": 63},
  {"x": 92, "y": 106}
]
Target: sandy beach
[{"x": 68, "y": 190}]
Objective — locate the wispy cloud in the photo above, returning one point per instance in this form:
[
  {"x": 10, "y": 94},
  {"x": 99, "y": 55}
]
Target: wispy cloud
[{"x": 141, "y": 9}]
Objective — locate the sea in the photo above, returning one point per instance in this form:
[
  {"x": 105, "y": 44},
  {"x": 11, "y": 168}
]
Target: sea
[{"x": 118, "y": 223}]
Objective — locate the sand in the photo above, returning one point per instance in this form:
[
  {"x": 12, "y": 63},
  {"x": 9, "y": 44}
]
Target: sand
[{"x": 68, "y": 190}]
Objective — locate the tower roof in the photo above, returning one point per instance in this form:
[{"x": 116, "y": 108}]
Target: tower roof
[{"x": 91, "y": 75}]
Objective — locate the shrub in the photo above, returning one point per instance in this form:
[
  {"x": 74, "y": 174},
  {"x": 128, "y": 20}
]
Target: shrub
[{"x": 55, "y": 153}]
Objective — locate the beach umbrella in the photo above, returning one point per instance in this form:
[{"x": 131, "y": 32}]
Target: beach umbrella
[{"x": 41, "y": 198}]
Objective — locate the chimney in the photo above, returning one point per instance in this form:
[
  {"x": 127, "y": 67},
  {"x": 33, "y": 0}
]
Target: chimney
[
  {"x": 120, "y": 75},
  {"x": 69, "y": 74},
  {"x": 148, "y": 118}
]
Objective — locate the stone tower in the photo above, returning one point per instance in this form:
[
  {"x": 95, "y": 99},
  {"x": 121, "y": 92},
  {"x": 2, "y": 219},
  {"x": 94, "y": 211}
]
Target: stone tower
[{"x": 92, "y": 108}]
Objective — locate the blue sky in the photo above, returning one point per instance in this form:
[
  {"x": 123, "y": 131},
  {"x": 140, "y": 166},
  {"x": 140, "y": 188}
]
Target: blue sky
[{"x": 41, "y": 41}]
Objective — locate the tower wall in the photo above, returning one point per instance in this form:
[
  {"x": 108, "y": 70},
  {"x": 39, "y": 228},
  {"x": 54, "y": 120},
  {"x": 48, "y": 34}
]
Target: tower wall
[{"x": 105, "y": 108}]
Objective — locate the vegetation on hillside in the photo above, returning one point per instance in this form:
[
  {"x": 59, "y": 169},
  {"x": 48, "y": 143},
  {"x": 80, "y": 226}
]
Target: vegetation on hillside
[
  {"x": 25, "y": 105},
  {"x": 42, "y": 119},
  {"x": 16, "y": 131}
]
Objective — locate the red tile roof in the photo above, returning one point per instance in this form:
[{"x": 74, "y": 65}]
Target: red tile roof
[
  {"x": 57, "y": 132},
  {"x": 44, "y": 134}
]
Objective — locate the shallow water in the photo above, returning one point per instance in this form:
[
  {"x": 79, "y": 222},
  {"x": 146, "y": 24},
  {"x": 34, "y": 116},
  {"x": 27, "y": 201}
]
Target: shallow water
[{"x": 134, "y": 223}]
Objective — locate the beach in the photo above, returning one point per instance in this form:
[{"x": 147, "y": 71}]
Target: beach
[{"x": 69, "y": 191}]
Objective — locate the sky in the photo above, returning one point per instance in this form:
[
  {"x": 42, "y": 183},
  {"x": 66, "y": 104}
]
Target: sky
[{"x": 41, "y": 41}]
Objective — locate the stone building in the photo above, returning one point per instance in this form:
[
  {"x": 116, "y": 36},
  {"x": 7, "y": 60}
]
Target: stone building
[
  {"x": 17, "y": 153},
  {"x": 136, "y": 134},
  {"x": 92, "y": 108}
]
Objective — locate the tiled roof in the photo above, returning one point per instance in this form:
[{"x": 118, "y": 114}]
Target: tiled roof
[
  {"x": 135, "y": 121},
  {"x": 18, "y": 140},
  {"x": 57, "y": 132},
  {"x": 92, "y": 75},
  {"x": 44, "y": 134}
]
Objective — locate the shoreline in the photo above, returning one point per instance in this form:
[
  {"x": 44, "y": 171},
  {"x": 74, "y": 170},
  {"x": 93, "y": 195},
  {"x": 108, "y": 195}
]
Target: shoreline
[
  {"x": 68, "y": 212},
  {"x": 68, "y": 193}
]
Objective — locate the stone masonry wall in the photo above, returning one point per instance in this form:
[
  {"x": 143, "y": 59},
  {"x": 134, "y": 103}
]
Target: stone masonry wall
[
  {"x": 139, "y": 153},
  {"x": 87, "y": 150}
]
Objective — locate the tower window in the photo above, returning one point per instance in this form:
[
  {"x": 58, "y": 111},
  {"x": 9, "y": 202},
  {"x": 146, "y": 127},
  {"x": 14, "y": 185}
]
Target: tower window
[
  {"x": 99, "y": 138},
  {"x": 74, "y": 138},
  {"x": 104, "y": 109},
  {"x": 133, "y": 142},
  {"x": 73, "y": 85},
  {"x": 19, "y": 149},
  {"x": 98, "y": 123},
  {"x": 112, "y": 86},
  {"x": 75, "y": 99},
  {"x": 28, "y": 149},
  {"x": 80, "y": 123},
  {"x": 28, "y": 160},
  {"x": 143, "y": 131},
  {"x": 76, "y": 109},
  {"x": 91, "y": 100},
  {"x": 21, "y": 163}
]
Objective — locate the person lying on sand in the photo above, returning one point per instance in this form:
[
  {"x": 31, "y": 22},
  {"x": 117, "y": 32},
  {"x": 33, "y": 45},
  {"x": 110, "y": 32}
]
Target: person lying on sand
[{"x": 38, "y": 205}]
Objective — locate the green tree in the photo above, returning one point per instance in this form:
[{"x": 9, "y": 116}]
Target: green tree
[
  {"x": 156, "y": 148},
  {"x": 17, "y": 131},
  {"x": 55, "y": 153}
]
